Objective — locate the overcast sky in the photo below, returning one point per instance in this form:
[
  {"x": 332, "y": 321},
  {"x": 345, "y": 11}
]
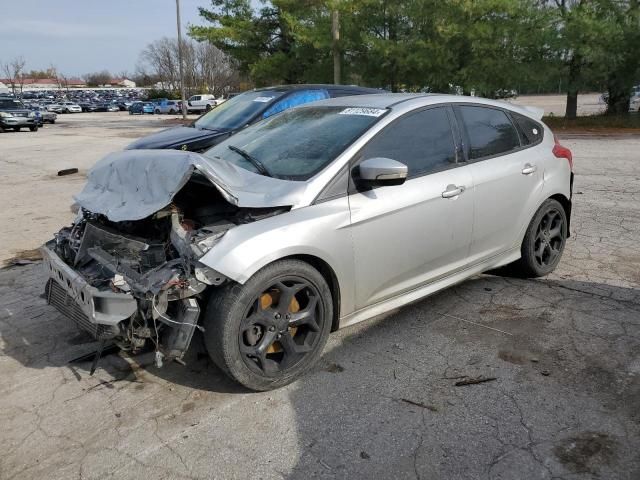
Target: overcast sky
[{"x": 81, "y": 36}]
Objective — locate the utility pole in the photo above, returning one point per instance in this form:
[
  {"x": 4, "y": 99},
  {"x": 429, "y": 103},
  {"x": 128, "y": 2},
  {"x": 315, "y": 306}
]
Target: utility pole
[
  {"x": 182, "y": 103},
  {"x": 335, "y": 36}
]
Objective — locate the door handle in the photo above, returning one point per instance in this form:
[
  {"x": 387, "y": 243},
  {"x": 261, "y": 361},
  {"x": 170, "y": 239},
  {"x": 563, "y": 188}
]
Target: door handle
[
  {"x": 452, "y": 191},
  {"x": 529, "y": 169}
]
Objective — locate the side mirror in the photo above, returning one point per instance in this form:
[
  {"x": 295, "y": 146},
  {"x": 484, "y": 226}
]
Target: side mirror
[{"x": 380, "y": 171}]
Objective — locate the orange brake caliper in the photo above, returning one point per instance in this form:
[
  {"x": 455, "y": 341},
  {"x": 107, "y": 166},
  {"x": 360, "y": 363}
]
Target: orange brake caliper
[{"x": 266, "y": 300}]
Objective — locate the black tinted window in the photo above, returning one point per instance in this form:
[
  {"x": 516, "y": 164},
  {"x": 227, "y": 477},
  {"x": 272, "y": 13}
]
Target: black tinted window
[
  {"x": 490, "y": 131},
  {"x": 531, "y": 131},
  {"x": 422, "y": 141}
]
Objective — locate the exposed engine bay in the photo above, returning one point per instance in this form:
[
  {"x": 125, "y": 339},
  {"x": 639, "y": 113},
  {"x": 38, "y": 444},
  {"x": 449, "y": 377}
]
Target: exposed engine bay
[{"x": 139, "y": 283}]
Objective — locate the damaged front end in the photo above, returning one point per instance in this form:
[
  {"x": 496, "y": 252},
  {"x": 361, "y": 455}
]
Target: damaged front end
[{"x": 139, "y": 281}]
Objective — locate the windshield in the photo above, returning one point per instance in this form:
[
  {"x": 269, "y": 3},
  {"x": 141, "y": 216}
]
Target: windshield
[
  {"x": 11, "y": 104},
  {"x": 321, "y": 134},
  {"x": 238, "y": 111}
]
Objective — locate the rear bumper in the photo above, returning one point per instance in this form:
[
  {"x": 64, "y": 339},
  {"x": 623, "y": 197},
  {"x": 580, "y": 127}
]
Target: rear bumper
[{"x": 92, "y": 309}]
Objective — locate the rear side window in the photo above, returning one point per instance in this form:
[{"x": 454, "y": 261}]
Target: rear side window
[
  {"x": 423, "y": 141},
  {"x": 531, "y": 132},
  {"x": 490, "y": 131}
]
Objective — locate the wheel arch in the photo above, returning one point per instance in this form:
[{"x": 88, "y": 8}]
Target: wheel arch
[{"x": 566, "y": 205}]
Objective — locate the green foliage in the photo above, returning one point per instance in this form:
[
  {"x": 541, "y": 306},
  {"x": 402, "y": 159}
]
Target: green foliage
[{"x": 480, "y": 46}]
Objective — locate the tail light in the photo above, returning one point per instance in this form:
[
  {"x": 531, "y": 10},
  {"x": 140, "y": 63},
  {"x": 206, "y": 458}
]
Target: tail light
[{"x": 562, "y": 152}]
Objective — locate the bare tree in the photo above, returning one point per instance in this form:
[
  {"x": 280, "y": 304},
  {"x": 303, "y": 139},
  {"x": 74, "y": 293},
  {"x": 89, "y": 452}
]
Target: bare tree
[
  {"x": 95, "y": 79},
  {"x": 206, "y": 68},
  {"x": 14, "y": 71}
]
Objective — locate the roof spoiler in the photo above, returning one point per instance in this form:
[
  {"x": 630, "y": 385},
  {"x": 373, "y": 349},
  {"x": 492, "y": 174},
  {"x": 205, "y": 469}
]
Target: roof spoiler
[{"x": 534, "y": 111}]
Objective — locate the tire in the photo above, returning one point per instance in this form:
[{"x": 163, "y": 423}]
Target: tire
[
  {"x": 245, "y": 334},
  {"x": 157, "y": 111},
  {"x": 16, "y": 129},
  {"x": 33, "y": 129},
  {"x": 52, "y": 122},
  {"x": 172, "y": 112},
  {"x": 207, "y": 108},
  {"x": 543, "y": 242}
]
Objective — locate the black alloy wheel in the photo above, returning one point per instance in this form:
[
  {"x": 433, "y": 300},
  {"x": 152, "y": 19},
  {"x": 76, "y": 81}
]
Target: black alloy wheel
[
  {"x": 268, "y": 332},
  {"x": 281, "y": 326},
  {"x": 544, "y": 241}
]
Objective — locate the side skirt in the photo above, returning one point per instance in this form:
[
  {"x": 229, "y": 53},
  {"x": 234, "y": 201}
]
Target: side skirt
[{"x": 425, "y": 290}]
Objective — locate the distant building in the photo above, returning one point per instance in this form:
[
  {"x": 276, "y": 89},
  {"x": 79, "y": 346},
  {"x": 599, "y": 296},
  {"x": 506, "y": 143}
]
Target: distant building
[
  {"x": 122, "y": 82},
  {"x": 45, "y": 83},
  {"x": 4, "y": 88}
]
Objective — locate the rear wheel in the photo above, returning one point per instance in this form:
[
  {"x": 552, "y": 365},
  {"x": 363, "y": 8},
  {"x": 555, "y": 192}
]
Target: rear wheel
[
  {"x": 34, "y": 129},
  {"x": 270, "y": 331},
  {"x": 172, "y": 112},
  {"x": 16, "y": 129},
  {"x": 544, "y": 241},
  {"x": 158, "y": 111}
]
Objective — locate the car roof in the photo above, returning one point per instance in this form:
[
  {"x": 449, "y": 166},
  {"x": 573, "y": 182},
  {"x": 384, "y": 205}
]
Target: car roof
[
  {"x": 409, "y": 101},
  {"x": 318, "y": 86}
]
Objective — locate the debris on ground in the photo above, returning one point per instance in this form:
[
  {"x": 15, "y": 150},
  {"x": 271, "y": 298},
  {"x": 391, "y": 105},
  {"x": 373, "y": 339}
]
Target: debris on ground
[
  {"x": 474, "y": 381},
  {"x": 334, "y": 368},
  {"x": 431, "y": 408},
  {"x": 67, "y": 171},
  {"x": 24, "y": 257}
]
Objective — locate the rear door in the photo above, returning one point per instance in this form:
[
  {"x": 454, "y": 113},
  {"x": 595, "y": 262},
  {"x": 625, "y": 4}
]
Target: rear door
[
  {"x": 506, "y": 175},
  {"x": 408, "y": 235}
]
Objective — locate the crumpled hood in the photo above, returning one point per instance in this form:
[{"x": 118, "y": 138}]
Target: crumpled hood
[
  {"x": 174, "y": 136},
  {"x": 134, "y": 184}
]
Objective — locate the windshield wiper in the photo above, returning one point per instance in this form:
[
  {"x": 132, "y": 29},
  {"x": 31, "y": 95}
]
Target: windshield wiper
[{"x": 251, "y": 159}]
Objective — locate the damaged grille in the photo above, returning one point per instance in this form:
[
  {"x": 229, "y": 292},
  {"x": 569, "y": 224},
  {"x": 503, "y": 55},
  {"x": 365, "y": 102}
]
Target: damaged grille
[{"x": 66, "y": 305}]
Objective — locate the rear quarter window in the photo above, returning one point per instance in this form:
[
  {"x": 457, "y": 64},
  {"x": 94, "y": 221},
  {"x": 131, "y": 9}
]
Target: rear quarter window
[
  {"x": 531, "y": 132},
  {"x": 489, "y": 130}
]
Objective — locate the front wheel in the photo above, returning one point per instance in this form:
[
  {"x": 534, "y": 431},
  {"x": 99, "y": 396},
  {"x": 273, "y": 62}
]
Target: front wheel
[
  {"x": 33, "y": 129},
  {"x": 544, "y": 241},
  {"x": 270, "y": 331}
]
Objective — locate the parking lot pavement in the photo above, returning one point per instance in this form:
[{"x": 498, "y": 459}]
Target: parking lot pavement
[
  {"x": 564, "y": 352},
  {"x": 35, "y": 201}
]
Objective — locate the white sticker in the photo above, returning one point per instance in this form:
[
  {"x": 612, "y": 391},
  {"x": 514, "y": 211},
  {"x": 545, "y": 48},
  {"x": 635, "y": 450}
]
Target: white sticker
[
  {"x": 535, "y": 131},
  {"x": 262, "y": 99},
  {"x": 370, "y": 112}
]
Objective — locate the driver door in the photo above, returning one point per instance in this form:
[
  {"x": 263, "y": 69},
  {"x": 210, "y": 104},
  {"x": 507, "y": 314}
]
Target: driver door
[{"x": 411, "y": 234}]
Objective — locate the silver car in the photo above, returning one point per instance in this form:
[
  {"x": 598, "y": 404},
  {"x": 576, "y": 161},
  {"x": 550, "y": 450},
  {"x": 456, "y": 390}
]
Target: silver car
[{"x": 317, "y": 218}]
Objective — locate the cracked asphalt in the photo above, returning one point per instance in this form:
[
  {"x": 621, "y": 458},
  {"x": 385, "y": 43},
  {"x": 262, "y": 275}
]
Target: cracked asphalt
[{"x": 564, "y": 353}]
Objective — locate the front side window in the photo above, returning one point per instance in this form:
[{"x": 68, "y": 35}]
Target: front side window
[
  {"x": 490, "y": 131},
  {"x": 423, "y": 141},
  {"x": 321, "y": 134}
]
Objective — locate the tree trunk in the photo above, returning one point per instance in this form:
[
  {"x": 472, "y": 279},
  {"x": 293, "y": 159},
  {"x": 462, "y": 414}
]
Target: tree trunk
[{"x": 572, "y": 88}]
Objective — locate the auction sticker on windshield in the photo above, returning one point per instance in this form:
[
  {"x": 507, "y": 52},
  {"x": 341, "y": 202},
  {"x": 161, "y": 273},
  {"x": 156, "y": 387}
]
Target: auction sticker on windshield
[
  {"x": 262, "y": 99},
  {"x": 370, "y": 112}
]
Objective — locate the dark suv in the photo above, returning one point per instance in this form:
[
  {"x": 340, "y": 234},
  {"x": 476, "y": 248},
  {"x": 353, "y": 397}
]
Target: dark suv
[
  {"x": 14, "y": 115},
  {"x": 240, "y": 111}
]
